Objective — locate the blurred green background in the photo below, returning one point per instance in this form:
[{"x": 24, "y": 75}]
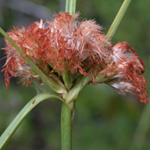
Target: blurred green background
[{"x": 103, "y": 120}]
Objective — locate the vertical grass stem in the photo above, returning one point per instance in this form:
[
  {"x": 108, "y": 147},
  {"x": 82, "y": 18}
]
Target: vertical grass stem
[{"x": 118, "y": 19}]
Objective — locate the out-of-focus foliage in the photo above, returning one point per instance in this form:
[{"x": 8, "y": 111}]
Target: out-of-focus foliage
[{"x": 103, "y": 120}]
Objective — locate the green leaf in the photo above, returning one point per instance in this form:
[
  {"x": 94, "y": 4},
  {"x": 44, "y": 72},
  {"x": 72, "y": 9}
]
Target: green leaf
[
  {"x": 22, "y": 114},
  {"x": 118, "y": 19}
]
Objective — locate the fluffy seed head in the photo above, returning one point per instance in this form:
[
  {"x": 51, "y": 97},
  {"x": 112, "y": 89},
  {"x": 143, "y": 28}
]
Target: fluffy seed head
[
  {"x": 78, "y": 47},
  {"x": 127, "y": 69},
  {"x": 54, "y": 46}
]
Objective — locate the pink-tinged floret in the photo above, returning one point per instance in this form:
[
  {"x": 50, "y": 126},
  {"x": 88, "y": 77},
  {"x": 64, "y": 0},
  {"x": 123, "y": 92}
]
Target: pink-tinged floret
[
  {"x": 64, "y": 43},
  {"x": 127, "y": 69},
  {"x": 60, "y": 44}
]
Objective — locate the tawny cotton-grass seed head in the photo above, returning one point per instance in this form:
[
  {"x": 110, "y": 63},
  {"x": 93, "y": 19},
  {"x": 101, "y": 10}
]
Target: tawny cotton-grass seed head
[
  {"x": 125, "y": 69},
  {"x": 55, "y": 46},
  {"x": 28, "y": 39},
  {"x": 63, "y": 44}
]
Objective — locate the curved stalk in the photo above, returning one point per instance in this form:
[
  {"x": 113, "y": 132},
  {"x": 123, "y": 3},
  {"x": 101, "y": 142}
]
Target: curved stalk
[
  {"x": 21, "y": 116},
  {"x": 117, "y": 19}
]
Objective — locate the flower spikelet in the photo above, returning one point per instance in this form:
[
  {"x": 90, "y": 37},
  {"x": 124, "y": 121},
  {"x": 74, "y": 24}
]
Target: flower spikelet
[
  {"x": 127, "y": 69},
  {"x": 15, "y": 65},
  {"x": 64, "y": 43}
]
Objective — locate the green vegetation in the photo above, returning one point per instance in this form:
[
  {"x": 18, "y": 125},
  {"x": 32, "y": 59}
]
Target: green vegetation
[{"x": 103, "y": 119}]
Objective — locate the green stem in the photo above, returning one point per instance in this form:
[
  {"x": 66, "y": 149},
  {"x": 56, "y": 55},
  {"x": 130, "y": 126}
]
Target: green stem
[
  {"x": 55, "y": 85},
  {"x": 67, "y": 5},
  {"x": 142, "y": 129},
  {"x": 21, "y": 116},
  {"x": 67, "y": 111},
  {"x": 67, "y": 78},
  {"x": 117, "y": 19},
  {"x": 71, "y": 6},
  {"x": 66, "y": 128},
  {"x": 73, "y": 93}
]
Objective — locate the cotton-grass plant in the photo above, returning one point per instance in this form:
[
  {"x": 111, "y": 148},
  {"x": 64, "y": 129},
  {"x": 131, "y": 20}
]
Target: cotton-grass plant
[{"x": 67, "y": 54}]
